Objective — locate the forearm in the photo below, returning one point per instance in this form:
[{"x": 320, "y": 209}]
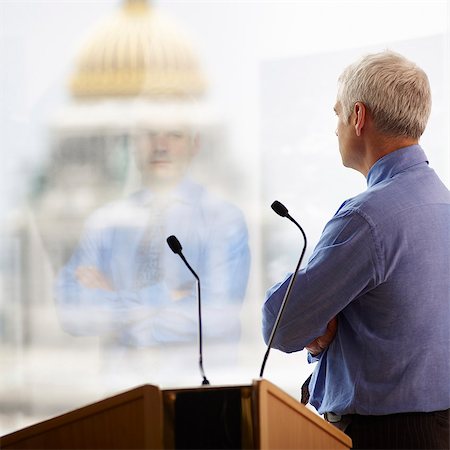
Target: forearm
[
  {"x": 178, "y": 321},
  {"x": 88, "y": 311},
  {"x": 326, "y": 285},
  {"x": 298, "y": 326}
]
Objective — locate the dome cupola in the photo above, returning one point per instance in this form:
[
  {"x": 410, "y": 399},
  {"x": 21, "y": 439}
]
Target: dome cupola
[{"x": 137, "y": 52}]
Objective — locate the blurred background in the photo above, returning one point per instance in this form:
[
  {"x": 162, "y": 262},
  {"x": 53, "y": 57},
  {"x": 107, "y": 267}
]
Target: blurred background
[{"x": 258, "y": 80}]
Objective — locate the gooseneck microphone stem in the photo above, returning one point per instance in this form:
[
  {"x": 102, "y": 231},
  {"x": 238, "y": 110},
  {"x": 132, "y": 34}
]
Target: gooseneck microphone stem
[
  {"x": 282, "y": 211},
  {"x": 175, "y": 246},
  {"x": 200, "y": 328}
]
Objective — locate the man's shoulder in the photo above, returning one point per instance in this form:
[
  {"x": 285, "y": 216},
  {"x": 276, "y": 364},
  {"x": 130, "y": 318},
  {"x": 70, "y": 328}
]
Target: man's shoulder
[
  {"x": 407, "y": 191},
  {"x": 216, "y": 212},
  {"x": 214, "y": 203}
]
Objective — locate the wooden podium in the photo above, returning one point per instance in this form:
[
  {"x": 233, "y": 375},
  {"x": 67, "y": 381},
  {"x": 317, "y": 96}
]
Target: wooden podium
[{"x": 257, "y": 416}]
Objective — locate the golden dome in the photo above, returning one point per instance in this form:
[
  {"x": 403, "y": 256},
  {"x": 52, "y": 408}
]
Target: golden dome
[{"x": 136, "y": 52}]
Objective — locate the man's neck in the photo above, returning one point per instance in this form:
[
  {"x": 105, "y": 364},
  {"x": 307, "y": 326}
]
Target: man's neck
[
  {"x": 382, "y": 145},
  {"x": 162, "y": 188}
]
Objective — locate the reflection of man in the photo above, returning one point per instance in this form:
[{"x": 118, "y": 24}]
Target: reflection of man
[
  {"x": 372, "y": 305},
  {"x": 125, "y": 284}
]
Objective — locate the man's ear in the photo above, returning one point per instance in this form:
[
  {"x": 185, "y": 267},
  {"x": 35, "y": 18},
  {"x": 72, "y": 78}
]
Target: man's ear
[{"x": 359, "y": 117}]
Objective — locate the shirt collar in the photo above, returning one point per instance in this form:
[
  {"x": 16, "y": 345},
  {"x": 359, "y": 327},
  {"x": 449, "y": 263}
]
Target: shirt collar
[
  {"x": 395, "y": 162},
  {"x": 186, "y": 192}
]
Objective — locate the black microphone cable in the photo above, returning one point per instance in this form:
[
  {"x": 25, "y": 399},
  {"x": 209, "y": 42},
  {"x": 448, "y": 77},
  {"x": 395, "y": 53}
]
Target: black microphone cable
[
  {"x": 176, "y": 247},
  {"x": 282, "y": 211}
]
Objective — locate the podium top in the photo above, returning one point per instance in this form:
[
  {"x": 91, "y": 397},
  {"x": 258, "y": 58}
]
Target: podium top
[{"x": 146, "y": 417}]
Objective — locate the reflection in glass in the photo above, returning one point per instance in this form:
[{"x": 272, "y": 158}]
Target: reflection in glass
[{"x": 124, "y": 284}]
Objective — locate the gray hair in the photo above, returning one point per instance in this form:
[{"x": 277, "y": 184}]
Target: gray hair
[{"x": 395, "y": 90}]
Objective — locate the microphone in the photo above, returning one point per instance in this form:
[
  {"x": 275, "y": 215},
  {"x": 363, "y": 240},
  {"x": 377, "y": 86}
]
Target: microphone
[
  {"x": 282, "y": 211},
  {"x": 176, "y": 247}
]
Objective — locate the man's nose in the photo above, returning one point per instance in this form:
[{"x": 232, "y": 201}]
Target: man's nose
[{"x": 160, "y": 142}]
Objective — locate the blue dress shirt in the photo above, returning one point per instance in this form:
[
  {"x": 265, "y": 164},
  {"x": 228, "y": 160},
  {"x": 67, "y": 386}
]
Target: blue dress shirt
[
  {"x": 215, "y": 242},
  {"x": 382, "y": 267}
]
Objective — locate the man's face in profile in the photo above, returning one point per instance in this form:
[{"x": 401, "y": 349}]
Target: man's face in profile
[{"x": 163, "y": 156}]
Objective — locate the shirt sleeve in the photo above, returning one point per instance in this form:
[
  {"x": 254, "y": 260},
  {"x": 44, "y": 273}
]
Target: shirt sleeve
[{"x": 344, "y": 265}]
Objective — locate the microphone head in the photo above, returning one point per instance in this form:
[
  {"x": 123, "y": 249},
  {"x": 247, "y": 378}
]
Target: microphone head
[
  {"x": 174, "y": 244},
  {"x": 280, "y": 209}
]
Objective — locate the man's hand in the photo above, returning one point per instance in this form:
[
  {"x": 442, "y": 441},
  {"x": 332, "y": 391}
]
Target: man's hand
[
  {"x": 90, "y": 277},
  {"x": 319, "y": 344}
]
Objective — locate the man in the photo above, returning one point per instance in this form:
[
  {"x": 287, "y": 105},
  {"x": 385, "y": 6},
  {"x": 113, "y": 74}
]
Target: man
[
  {"x": 124, "y": 284},
  {"x": 372, "y": 305}
]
